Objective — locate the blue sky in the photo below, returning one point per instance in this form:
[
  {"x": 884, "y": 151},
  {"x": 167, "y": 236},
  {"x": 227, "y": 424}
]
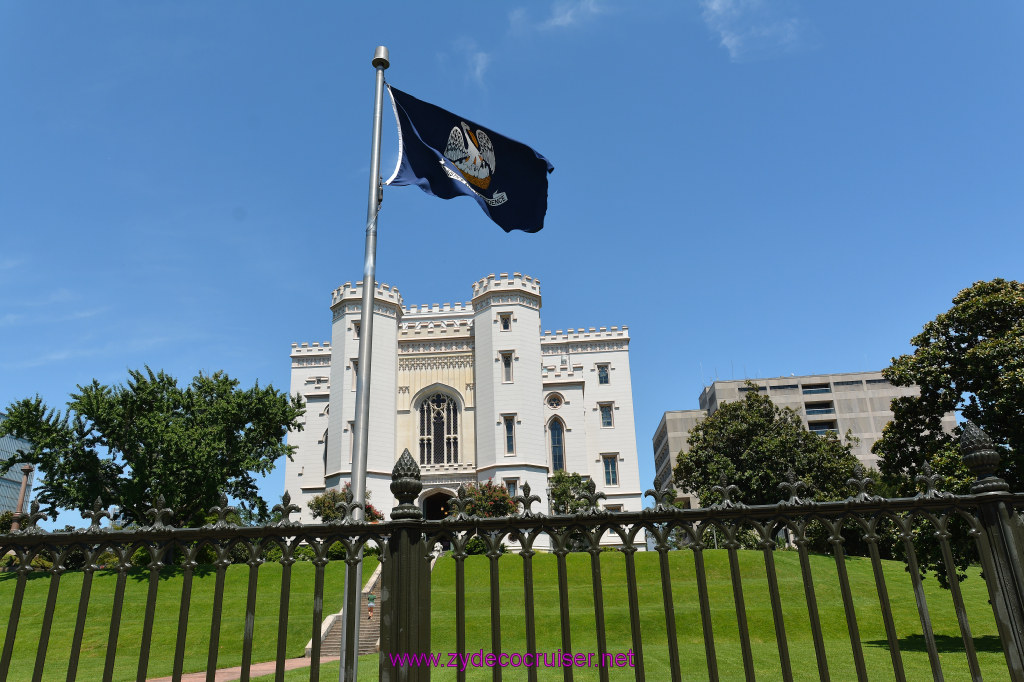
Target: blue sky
[{"x": 754, "y": 188}]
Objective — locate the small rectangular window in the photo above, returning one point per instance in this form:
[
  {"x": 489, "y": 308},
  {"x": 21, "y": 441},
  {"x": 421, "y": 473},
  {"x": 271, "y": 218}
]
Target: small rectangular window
[
  {"x": 506, "y": 367},
  {"x": 512, "y": 486},
  {"x": 355, "y": 374},
  {"x": 355, "y": 330},
  {"x": 606, "y": 415},
  {"x": 505, "y": 321},
  {"x": 351, "y": 441},
  {"x": 611, "y": 469},
  {"x": 613, "y": 507},
  {"x": 510, "y": 434},
  {"x": 602, "y": 374}
]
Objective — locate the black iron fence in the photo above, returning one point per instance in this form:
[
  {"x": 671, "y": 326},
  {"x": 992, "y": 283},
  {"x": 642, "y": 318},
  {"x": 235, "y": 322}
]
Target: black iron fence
[{"x": 520, "y": 548}]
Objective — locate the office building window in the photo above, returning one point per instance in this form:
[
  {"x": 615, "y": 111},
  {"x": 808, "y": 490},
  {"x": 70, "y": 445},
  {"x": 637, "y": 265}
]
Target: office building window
[
  {"x": 606, "y": 415},
  {"x": 439, "y": 430},
  {"x": 602, "y": 374},
  {"x": 505, "y": 321},
  {"x": 510, "y": 434},
  {"x": 506, "y": 366},
  {"x": 556, "y": 432},
  {"x": 810, "y": 389},
  {"x": 611, "y": 469}
]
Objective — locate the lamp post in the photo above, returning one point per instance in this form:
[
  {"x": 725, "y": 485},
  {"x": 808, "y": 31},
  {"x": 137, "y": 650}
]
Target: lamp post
[{"x": 26, "y": 470}]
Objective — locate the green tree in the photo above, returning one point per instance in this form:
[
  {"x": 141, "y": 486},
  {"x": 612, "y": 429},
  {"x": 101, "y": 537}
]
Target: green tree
[
  {"x": 968, "y": 359},
  {"x": 753, "y": 443},
  {"x": 567, "y": 493},
  {"x": 128, "y": 444},
  {"x": 488, "y": 501},
  {"x": 325, "y": 505}
]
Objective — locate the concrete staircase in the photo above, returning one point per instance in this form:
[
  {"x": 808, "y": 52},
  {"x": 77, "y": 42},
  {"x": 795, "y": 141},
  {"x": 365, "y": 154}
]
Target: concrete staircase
[{"x": 369, "y": 626}]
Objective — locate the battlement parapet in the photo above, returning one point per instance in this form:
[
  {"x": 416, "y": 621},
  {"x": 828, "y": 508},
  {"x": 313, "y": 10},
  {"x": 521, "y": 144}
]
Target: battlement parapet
[
  {"x": 582, "y": 334},
  {"x": 438, "y": 308},
  {"x": 306, "y": 349},
  {"x": 503, "y": 282},
  {"x": 349, "y": 291}
]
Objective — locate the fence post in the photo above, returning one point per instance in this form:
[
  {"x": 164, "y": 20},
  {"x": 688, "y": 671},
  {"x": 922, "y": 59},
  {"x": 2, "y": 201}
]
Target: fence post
[
  {"x": 1001, "y": 544},
  {"x": 405, "y": 590}
]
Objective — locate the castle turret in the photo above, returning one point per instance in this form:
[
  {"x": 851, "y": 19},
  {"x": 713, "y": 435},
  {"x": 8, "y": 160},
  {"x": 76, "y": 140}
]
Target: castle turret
[
  {"x": 510, "y": 433},
  {"x": 346, "y": 309}
]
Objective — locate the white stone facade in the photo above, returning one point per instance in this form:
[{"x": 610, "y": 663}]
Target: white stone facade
[{"x": 474, "y": 391}]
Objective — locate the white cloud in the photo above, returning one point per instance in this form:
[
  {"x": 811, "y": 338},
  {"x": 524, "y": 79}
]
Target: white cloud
[
  {"x": 478, "y": 63},
  {"x": 753, "y": 28},
  {"x": 564, "y": 14}
]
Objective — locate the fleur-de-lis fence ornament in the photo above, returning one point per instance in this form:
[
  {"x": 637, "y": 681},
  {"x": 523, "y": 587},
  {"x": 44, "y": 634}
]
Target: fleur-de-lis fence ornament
[
  {"x": 95, "y": 515},
  {"x": 726, "y": 490},
  {"x": 222, "y": 511},
  {"x": 592, "y": 497},
  {"x": 158, "y": 513},
  {"x": 792, "y": 486},
  {"x": 664, "y": 498},
  {"x": 348, "y": 507},
  {"x": 861, "y": 482},
  {"x": 458, "y": 505},
  {"x": 31, "y": 527},
  {"x": 527, "y": 500},
  {"x": 931, "y": 483},
  {"x": 286, "y": 509}
]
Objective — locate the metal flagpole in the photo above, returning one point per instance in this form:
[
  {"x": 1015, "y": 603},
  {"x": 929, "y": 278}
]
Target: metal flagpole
[{"x": 348, "y": 670}]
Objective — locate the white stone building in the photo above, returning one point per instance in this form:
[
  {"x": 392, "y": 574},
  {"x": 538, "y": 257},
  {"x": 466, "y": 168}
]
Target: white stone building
[{"x": 474, "y": 390}]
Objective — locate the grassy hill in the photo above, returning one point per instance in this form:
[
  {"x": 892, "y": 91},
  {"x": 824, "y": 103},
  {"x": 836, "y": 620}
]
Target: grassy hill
[{"x": 687, "y": 617}]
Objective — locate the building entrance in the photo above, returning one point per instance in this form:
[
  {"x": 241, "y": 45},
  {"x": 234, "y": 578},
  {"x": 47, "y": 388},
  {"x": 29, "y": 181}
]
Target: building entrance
[{"x": 435, "y": 507}]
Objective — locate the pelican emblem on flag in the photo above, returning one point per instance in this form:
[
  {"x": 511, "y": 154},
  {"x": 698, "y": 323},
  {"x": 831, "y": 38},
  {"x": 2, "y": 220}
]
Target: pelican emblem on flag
[{"x": 472, "y": 153}]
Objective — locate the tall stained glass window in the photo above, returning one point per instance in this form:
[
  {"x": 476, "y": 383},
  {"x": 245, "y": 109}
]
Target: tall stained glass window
[
  {"x": 439, "y": 430},
  {"x": 557, "y": 434}
]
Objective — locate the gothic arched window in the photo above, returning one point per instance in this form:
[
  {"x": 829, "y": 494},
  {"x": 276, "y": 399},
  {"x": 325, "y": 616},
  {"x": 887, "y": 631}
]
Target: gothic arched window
[
  {"x": 439, "y": 430},
  {"x": 556, "y": 432}
]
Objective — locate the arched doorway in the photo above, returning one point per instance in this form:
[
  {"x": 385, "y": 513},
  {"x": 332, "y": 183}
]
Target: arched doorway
[{"x": 435, "y": 505}]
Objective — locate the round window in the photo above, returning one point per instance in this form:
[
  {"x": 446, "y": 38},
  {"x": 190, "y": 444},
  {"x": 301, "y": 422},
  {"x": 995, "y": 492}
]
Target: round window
[{"x": 554, "y": 401}]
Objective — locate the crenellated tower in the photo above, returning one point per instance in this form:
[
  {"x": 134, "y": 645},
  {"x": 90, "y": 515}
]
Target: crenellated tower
[
  {"x": 346, "y": 310},
  {"x": 510, "y": 429}
]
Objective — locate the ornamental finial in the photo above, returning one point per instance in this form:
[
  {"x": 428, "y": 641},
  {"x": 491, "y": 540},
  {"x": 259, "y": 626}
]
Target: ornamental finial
[
  {"x": 406, "y": 486},
  {"x": 982, "y": 457}
]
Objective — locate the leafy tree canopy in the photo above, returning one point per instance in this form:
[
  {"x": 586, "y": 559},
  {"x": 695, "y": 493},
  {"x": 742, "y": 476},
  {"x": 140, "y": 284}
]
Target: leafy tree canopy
[
  {"x": 129, "y": 444},
  {"x": 567, "y": 492},
  {"x": 969, "y": 358},
  {"x": 325, "y": 506},
  {"x": 753, "y": 443},
  {"x": 488, "y": 500}
]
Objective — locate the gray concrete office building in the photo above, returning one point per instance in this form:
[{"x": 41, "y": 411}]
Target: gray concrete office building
[
  {"x": 10, "y": 483},
  {"x": 858, "y": 402}
]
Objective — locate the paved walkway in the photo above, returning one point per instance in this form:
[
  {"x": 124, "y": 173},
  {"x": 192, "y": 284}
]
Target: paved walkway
[{"x": 255, "y": 670}]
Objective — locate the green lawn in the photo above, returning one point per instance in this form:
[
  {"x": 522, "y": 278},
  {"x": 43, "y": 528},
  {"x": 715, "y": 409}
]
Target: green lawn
[
  {"x": 687, "y": 615},
  {"x": 300, "y": 621}
]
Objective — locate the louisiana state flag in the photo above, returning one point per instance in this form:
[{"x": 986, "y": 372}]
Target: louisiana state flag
[{"x": 449, "y": 156}]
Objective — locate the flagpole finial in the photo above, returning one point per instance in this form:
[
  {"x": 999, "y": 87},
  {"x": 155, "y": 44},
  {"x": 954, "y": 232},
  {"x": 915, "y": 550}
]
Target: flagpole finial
[{"x": 380, "y": 57}]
